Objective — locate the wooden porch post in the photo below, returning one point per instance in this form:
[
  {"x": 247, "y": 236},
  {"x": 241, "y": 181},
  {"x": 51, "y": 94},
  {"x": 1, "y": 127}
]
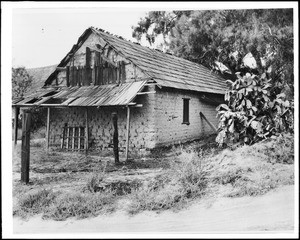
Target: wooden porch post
[
  {"x": 17, "y": 111},
  {"x": 86, "y": 131},
  {"x": 25, "y": 153},
  {"x": 127, "y": 132},
  {"x": 115, "y": 137},
  {"x": 48, "y": 129}
]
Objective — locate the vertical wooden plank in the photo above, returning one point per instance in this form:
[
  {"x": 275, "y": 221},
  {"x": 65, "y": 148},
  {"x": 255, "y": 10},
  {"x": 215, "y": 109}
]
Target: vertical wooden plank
[
  {"x": 63, "y": 136},
  {"x": 87, "y": 56},
  {"x": 16, "y": 122},
  {"x": 96, "y": 75},
  {"x": 100, "y": 76},
  {"x": 88, "y": 66},
  {"x": 86, "y": 130},
  {"x": 123, "y": 71},
  {"x": 115, "y": 137},
  {"x": 25, "y": 153},
  {"x": 118, "y": 73},
  {"x": 93, "y": 74},
  {"x": 127, "y": 133},
  {"x": 73, "y": 72},
  {"x": 48, "y": 129},
  {"x": 68, "y": 76},
  {"x": 68, "y": 138},
  {"x": 79, "y": 76},
  {"x": 73, "y": 83},
  {"x": 79, "y": 137},
  {"x": 73, "y": 138}
]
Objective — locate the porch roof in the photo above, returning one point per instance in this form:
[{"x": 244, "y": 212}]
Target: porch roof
[{"x": 102, "y": 95}]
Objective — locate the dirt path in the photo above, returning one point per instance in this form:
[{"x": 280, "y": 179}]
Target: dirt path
[{"x": 271, "y": 212}]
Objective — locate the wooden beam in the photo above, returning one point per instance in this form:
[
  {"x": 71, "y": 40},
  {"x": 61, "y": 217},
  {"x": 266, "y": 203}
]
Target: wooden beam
[
  {"x": 48, "y": 129},
  {"x": 137, "y": 106},
  {"x": 86, "y": 131},
  {"x": 142, "y": 93},
  {"x": 115, "y": 137},
  {"x": 25, "y": 153},
  {"x": 61, "y": 68},
  {"x": 17, "y": 111},
  {"x": 212, "y": 126},
  {"x": 127, "y": 133}
]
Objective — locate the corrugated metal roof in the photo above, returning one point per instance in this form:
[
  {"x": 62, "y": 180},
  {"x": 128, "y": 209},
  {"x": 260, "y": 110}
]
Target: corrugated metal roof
[
  {"x": 167, "y": 70},
  {"x": 103, "y": 95}
]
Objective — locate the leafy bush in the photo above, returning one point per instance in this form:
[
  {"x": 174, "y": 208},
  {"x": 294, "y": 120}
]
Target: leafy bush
[{"x": 254, "y": 111}]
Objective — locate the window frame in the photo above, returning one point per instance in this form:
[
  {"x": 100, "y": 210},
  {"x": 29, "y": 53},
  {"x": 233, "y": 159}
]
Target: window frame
[{"x": 186, "y": 111}]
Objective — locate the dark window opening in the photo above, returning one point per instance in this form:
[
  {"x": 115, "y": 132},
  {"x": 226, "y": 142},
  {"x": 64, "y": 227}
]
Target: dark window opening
[
  {"x": 186, "y": 110},
  {"x": 32, "y": 101},
  {"x": 55, "y": 101}
]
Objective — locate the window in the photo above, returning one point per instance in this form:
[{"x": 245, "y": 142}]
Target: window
[{"x": 186, "y": 111}]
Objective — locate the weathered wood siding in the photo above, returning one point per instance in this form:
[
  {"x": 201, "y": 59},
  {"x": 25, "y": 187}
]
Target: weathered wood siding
[{"x": 96, "y": 63}]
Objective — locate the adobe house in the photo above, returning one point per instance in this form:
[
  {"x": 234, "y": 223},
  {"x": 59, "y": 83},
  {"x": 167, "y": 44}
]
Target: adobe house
[{"x": 158, "y": 97}]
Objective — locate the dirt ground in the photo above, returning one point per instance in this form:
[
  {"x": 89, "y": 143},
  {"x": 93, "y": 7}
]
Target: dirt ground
[{"x": 273, "y": 212}]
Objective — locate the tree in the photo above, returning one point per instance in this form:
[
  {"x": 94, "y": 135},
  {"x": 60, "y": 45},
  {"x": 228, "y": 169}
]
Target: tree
[
  {"x": 21, "y": 82},
  {"x": 227, "y": 37}
]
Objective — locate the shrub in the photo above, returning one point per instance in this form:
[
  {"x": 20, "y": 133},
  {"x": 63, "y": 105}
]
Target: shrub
[{"x": 254, "y": 111}]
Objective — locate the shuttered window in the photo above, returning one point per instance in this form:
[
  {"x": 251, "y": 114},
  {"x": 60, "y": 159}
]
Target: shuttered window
[{"x": 186, "y": 110}]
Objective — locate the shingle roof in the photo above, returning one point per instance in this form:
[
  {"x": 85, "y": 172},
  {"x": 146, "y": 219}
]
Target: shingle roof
[{"x": 167, "y": 70}]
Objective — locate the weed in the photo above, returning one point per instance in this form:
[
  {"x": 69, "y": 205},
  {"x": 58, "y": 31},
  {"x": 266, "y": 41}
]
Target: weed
[
  {"x": 79, "y": 205},
  {"x": 175, "y": 187},
  {"x": 35, "y": 203}
]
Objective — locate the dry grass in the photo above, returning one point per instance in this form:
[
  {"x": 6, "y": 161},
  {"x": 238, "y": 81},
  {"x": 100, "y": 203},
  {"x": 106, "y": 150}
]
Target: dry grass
[{"x": 67, "y": 185}]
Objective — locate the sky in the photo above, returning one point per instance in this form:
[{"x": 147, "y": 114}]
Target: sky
[
  {"x": 42, "y": 33},
  {"x": 42, "y": 37}
]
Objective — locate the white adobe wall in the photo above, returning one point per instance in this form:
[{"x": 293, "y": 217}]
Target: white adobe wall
[
  {"x": 142, "y": 134},
  {"x": 169, "y": 116},
  {"x": 157, "y": 123}
]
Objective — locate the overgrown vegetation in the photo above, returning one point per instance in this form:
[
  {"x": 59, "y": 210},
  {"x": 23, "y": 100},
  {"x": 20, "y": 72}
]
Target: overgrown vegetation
[
  {"x": 251, "y": 47},
  {"x": 254, "y": 111},
  {"x": 65, "y": 185}
]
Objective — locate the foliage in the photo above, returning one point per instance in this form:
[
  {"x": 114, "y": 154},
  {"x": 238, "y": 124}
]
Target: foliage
[
  {"x": 254, "y": 111},
  {"x": 21, "y": 82},
  {"x": 226, "y": 36},
  {"x": 38, "y": 118},
  {"x": 257, "y": 101},
  {"x": 161, "y": 22}
]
